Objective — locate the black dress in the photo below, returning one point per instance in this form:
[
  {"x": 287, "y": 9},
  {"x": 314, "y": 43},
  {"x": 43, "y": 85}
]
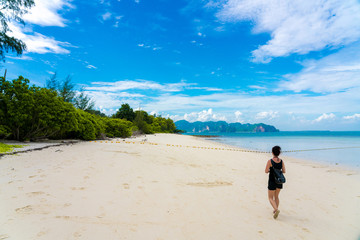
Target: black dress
[{"x": 272, "y": 185}]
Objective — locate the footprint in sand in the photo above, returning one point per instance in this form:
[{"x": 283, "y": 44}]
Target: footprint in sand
[
  {"x": 34, "y": 193},
  {"x": 101, "y": 215},
  {"x": 194, "y": 165},
  {"x": 26, "y": 209},
  {"x": 42, "y": 233},
  {"x": 63, "y": 217},
  {"x": 77, "y": 188}
]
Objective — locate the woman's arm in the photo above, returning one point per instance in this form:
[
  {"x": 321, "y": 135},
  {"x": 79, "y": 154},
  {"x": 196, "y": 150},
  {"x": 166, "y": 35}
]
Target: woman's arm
[
  {"x": 283, "y": 167},
  {"x": 268, "y": 165}
]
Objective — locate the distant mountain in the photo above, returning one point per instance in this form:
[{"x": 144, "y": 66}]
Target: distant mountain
[{"x": 221, "y": 126}]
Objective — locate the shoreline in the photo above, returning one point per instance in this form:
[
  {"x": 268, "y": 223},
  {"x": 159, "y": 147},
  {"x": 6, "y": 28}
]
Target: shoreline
[
  {"x": 147, "y": 188},
  {"x": 310, "y": 160},
  {"x": 298, "y": 160},
  {"x": 38, "y": 146}
]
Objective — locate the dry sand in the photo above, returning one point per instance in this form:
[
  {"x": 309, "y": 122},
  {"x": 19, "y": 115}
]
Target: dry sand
[{"x": 94, "y": 190}]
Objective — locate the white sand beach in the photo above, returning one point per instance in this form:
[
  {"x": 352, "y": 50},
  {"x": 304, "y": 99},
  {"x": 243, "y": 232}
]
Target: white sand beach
[{"x": 150, "y": 190}]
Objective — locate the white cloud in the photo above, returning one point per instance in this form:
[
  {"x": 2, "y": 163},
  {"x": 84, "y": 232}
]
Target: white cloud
[
  {"x": 107, "y": 3},
  {"x": 45, "y": 13},
  {"x": 210, "y": 89},
  {"x": 106, "y": 16},
  {"x": 296, "y": 26},
  {"x": 37, "y": 42},
  {"x": 267, "y": 115},
  {"x": 204, "y": 116},
  {"x": 238, "y": 116},
  {"x": 342, "y": 102},
  {"x": 91, "y": 67},
  {"x": 117, "y": 22},
  {"x": 336, "y": 72},
  {"x": 295, "y": 111},
  {"x": 139, "y": 84},
  {"x": 109, "y": 102},
  {"x": 22, "y": 57},
  {"x": 325, "y": 116},
  {"x": 153, "y": 47},
  {"x": 352, "y": 117}
]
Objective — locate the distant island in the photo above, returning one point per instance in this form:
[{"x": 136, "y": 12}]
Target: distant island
[{"x": 222, "y": 126}]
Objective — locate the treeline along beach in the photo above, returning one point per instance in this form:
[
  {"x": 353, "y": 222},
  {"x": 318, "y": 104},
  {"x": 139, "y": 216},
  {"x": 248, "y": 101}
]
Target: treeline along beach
[{"x": 57, "y": 111}]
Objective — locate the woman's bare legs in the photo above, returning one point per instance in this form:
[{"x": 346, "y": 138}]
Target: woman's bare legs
[
  {"x": 274, "y": 201},
  {"x": 277, "y": 191},
  {"x": 271, "y": 195}
]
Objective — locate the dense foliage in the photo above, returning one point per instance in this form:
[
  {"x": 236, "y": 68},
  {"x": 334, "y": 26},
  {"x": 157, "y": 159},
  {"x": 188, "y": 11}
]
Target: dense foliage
[
  {"x": 146, "y": 123},
  {"x": 125, "y": 112},
  {"x": 31, "y": 112}
]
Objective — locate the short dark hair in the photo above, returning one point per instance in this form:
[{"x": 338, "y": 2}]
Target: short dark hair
[{"x": 276, "y": 150}]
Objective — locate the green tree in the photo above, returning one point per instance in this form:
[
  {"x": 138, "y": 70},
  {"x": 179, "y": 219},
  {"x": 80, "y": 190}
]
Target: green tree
[
  {"x": 83, "y": 101},
  {"x": 125, "y": 112},
  {"x": 52, "y": 83},
  {"x": 89, "y": 126},
  {"x": 66, "y": 89},
  {"x": 17, "y": 103},
  {"x": 161, "y": 124},
  {"x": 32, "y": 112},
  {"x": 12, "y": 10},
  {"x": 117, "y": 127},
  {"x": 141, "y": 121}
]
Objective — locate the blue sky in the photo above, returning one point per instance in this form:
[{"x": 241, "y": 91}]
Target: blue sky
[{"x": 293, "y": 64}]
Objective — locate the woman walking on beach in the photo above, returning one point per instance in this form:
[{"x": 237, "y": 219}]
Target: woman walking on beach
[{"x": 273, "y": 187}]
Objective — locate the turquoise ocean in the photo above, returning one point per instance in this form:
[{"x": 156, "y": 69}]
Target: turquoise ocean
[{"x": 334, "y": 148}]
